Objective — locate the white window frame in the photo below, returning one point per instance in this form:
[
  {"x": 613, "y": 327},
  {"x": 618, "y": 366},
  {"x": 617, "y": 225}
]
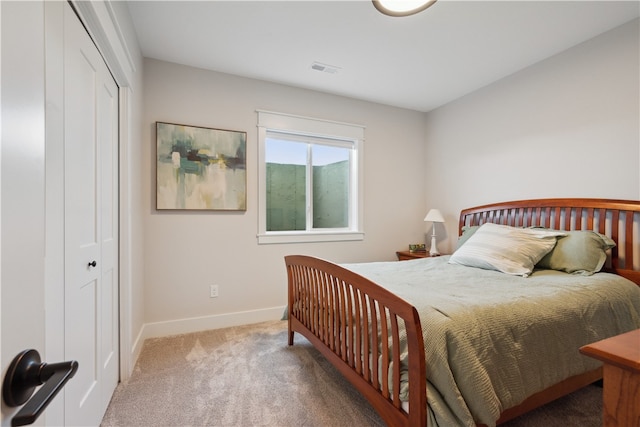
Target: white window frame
[{"x": 305, "y": 126}]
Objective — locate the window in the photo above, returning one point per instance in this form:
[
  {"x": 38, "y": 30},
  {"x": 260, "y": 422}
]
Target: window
[{"x": 309, "y": 179}]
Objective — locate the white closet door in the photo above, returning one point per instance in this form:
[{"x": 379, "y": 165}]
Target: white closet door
[{"x": 91, "y": 226}]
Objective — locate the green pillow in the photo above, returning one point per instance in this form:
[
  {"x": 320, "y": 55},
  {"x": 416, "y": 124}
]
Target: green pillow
[
  {"x": 467, "y": 231},
  {"x": 579, "y": 252}
]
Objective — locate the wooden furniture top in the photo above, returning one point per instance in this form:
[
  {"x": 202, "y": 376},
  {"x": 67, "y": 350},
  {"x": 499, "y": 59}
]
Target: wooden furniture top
[
  {"x": 622, "y": 350},
  {"x": 405, "y": 255}
]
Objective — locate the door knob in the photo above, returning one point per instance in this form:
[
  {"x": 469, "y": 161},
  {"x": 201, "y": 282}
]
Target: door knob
[
  {"x": 25, "y": 373},
  {"x": 93, "y": 263}
]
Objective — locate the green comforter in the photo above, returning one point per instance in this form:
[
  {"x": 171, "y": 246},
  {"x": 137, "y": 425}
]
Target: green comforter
[{"x": 493, "y": 339}]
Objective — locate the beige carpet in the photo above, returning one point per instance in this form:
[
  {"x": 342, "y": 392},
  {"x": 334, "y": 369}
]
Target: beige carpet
[{"x": 248, "y": 376}]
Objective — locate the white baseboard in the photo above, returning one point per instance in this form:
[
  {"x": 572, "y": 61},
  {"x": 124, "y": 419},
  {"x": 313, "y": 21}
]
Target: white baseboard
[
  {"x": 197, "y": 324},
  {"x": 136, "y": 349},
  {"x": 203, "y": 323}
]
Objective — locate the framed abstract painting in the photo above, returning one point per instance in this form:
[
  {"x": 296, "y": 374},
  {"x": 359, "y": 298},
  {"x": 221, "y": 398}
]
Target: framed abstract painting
[{"x": 200, "y": 168}]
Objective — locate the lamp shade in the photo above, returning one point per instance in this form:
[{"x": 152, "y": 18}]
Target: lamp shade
[{"x": 434, "y": 215}]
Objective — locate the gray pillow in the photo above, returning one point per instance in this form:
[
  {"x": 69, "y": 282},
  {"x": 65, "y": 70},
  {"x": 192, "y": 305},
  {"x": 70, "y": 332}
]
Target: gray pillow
[
  {"x": 579, "y": 252},
  {"x": 507, "y": 249}
]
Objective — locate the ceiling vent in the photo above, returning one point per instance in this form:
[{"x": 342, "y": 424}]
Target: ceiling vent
[{"x": 331, "y": 69}]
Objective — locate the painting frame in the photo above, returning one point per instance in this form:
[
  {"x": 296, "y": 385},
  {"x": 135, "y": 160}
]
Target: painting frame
[{"x": 200, "y": 168}]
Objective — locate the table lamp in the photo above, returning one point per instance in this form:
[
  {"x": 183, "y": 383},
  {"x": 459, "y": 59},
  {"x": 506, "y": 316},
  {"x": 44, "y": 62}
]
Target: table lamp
[{"x": 434, "y": 216}]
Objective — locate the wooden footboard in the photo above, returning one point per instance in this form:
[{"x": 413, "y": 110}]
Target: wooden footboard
[{"x": 348, "y": 318}]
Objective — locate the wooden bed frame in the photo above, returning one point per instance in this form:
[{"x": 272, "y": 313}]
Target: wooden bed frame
[{"x": 346, "y": 316}]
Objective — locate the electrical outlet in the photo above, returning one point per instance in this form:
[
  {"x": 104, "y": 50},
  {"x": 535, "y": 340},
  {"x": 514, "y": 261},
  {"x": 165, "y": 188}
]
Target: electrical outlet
[{"x": 213, "y": 291}]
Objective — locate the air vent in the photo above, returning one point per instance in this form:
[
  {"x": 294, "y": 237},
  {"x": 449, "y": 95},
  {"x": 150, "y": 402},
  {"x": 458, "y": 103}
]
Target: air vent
[{"x": 331, "y": 69}]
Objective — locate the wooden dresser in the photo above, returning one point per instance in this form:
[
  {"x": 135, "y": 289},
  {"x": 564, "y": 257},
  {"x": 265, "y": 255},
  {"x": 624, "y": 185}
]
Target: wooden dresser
[{"x": 621, "y": 376}]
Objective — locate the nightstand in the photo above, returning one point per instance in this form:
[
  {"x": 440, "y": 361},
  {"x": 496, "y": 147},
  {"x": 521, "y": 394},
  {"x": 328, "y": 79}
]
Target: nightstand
[
  {"x": 621, "y": 377},
  {"x": 406, "y": 255}
]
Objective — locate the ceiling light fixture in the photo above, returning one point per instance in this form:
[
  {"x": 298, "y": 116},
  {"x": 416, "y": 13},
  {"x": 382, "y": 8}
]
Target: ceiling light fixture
[{"x": 402, "y": 7}]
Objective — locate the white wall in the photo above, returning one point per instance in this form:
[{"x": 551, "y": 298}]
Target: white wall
[
  {"x": 26, "y": 149},
  {"x": 566, "y": 127},
  {"x": 185, "y": 252}
]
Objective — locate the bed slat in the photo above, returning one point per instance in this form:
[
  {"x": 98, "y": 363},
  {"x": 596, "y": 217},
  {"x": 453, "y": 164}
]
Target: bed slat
[{"x": 358, "y": 327}]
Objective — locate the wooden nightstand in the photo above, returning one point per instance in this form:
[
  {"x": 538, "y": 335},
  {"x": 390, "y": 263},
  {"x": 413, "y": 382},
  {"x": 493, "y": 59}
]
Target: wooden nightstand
[
  {"x": 621, "y": 377},
  {"x": 406, "y": 255}
]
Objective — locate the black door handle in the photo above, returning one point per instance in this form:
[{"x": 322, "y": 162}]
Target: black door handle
[
  {"x": 25, "y": 373},
  {"x": 93, "y": 263}
]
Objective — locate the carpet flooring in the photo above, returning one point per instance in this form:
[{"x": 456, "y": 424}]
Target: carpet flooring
[{"x": 249, "y": 376}]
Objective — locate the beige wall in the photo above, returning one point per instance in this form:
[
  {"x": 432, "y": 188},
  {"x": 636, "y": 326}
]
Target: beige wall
[
  {"x": 186, "y": 252},
  {"x": 566, "y": 127}
]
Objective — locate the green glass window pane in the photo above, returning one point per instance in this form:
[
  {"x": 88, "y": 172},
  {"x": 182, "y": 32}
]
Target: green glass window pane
[
  {"x": 286, "y": 185},
  {"x": 330, "y": 186}
]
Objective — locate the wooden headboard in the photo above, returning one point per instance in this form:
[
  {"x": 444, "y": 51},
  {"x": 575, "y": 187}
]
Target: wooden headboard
[{"x": 617, "y": 219}]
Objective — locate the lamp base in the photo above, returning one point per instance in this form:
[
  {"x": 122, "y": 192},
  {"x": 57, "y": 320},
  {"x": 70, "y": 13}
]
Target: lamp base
[{"x": 433, "y": 251}]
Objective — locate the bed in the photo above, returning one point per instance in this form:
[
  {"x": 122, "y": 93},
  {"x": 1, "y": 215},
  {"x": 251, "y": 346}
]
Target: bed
[{"x": 392, "y": 328}]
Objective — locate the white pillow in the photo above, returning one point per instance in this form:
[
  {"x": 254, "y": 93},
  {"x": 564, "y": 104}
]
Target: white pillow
[{"x": 507, "y": 249}]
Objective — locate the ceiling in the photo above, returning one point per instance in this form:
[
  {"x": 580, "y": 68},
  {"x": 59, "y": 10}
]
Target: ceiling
[{"x": 418, "y": 62}]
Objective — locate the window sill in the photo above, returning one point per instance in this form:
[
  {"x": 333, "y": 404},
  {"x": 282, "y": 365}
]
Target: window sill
[{"x": 308, "y": 237}]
